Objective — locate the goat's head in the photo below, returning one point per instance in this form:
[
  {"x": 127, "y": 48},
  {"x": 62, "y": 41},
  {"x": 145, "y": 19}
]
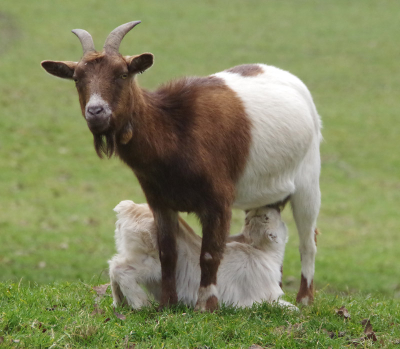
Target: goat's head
[
  {"x": 104, "y": 83},
  {"x": 265, "y": 227}
]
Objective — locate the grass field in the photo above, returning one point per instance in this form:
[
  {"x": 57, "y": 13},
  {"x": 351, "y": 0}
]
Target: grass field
[
  {"x": 56, "y": 196},
  {"x": 73, "y": 315}
]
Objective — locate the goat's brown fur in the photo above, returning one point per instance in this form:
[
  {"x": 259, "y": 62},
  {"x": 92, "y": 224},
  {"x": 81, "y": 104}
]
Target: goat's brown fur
[
  {"x": 246, "y": 70},
  {"x": 179, "y": 147}
]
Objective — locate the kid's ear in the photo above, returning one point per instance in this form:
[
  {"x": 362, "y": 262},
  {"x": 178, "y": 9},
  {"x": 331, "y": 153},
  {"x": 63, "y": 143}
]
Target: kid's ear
[
  {"x": 64, "y": 70},
  {"x": 138, "y": 64}
]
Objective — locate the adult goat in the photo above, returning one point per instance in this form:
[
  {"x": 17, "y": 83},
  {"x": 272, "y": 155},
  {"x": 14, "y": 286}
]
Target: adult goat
[{"x": 245, "y": 137}]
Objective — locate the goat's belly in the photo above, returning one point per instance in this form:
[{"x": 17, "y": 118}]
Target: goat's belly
[
  {"x": 270, "y": 172},
  {"x": 253, "y": 192}
]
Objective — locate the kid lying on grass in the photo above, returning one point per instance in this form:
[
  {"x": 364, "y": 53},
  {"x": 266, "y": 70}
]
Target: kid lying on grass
[{"x": 250, "y": 270}]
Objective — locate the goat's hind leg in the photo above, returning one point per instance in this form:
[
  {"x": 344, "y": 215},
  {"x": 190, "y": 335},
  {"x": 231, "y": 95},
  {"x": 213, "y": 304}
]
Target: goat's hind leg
[{"x": 306, "y": 203}]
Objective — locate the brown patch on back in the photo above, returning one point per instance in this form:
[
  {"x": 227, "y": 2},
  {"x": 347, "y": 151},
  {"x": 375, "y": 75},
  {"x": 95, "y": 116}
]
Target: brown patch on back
[
  {"x": 246, "y": 70},
  {"x": 305, "y": 291}
]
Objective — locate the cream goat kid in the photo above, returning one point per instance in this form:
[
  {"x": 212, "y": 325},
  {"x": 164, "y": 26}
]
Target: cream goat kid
[{"x": 250, "y": 270}]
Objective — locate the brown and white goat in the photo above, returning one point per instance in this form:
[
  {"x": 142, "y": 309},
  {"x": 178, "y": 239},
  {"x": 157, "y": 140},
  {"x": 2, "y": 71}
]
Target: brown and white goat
[
  {"x": 245, "y": 137},
  {"x": 250, "y": 270}
]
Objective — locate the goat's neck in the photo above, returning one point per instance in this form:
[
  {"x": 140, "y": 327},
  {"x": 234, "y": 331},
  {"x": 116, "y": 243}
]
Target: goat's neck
[{"x": 152, "y": 131}]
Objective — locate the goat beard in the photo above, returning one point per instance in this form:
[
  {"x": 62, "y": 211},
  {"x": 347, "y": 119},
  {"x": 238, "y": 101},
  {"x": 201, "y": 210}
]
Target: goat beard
[{"x": 105, "y": 144}]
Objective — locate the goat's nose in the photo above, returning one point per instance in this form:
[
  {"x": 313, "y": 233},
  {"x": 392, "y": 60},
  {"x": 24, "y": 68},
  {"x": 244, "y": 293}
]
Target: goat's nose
[{"x": 95, "y": 110}]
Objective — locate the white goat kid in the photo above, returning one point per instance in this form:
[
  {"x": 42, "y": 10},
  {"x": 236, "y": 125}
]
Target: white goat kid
[{"x": 250, "y": 270}]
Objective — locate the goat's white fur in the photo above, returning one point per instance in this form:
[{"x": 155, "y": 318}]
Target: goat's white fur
[
  {"x": 249, "y": 272},
  {"x": 284, "y": 156}
]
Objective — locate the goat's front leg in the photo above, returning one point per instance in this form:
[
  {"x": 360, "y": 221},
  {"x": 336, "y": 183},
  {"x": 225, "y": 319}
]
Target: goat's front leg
[
  {"x": 167, "y": 227},
  {"x": 215, "y": 232}
]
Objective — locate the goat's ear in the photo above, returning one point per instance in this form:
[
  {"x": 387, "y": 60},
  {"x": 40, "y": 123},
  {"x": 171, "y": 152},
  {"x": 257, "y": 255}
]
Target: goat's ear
[
  {"x": 63, "y": 70},
  {"x": 138, "y": 64}
]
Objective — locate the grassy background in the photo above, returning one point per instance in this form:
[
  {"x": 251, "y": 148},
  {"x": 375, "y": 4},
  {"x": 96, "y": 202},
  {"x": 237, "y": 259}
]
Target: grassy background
[
  {"x": 56, "y": 196},
  {"x": 72, "y": 315}
]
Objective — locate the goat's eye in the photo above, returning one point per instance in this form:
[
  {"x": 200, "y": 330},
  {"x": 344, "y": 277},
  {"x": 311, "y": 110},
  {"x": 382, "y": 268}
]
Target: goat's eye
[
  {"x": 124, "y": 76},
  {"x": 75, "y": 79}
]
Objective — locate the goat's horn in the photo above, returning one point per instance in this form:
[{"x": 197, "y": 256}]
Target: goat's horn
[
  {"x": 115, "y": 37},
  {"x": 85, "y": 39}
]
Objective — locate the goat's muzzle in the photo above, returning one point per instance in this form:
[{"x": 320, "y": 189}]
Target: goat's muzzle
[
  {"x": 97, "y": 118},
  {"x": 97, "y": 114}
]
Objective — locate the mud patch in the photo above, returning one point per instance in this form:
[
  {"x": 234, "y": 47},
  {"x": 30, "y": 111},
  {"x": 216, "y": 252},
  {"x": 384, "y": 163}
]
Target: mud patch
[{"x": 9, "y": 31}]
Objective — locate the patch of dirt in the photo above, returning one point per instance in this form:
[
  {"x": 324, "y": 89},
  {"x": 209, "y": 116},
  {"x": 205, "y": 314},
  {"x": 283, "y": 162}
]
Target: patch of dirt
[{"x": 9, "y": 31}]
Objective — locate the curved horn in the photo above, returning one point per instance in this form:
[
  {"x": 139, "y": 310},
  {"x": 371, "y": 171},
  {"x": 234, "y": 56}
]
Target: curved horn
[
  {"x": 85, "y": 39},
  {"x": 115, "y": 37}
]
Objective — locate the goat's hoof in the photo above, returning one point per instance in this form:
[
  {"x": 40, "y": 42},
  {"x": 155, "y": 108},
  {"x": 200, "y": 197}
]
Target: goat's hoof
[
  {"x": 305, "y": 300},
  {"x": 167, "y": 304},
  {"x": 210, "y": 305},
  {"x": 161, "y": 307},
  {"x": 306, "y": 292}
]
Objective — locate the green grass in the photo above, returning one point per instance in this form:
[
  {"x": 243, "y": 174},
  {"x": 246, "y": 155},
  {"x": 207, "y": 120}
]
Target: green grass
[
  {"x": 71, "y": 315},
  {"x": 56, "y": 196}
]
